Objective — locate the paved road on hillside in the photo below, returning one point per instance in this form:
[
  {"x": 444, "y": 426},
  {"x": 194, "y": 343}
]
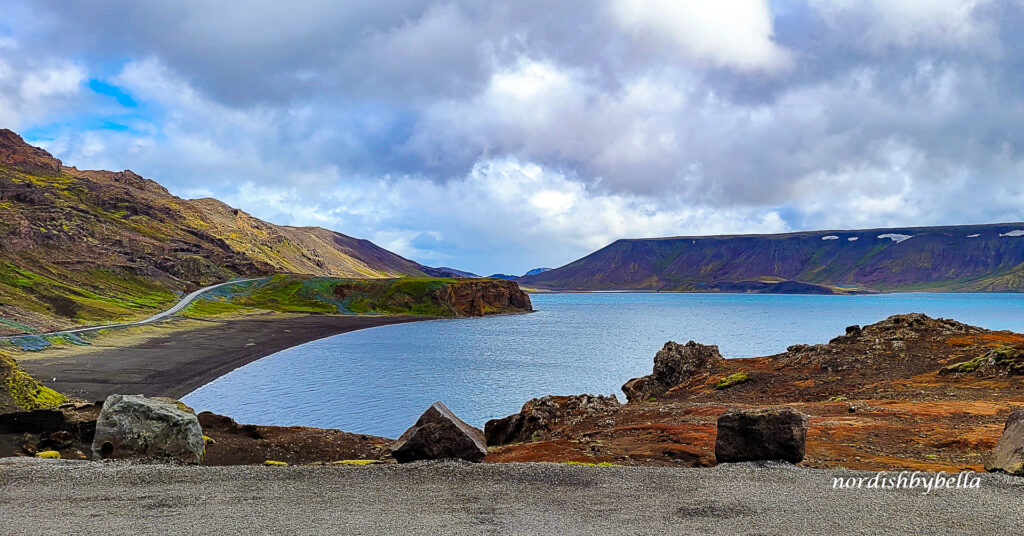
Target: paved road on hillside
[
  {"x": 64, "y": 497},
  {"x": 183, "y": 303}
]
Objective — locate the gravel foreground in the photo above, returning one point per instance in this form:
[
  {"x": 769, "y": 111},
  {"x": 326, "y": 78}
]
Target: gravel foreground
[{"x": 70, "y": 497}]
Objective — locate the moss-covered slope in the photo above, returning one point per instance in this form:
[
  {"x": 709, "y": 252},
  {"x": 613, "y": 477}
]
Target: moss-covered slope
[
  {"x": 97, "y": 246},
  {"x": 442, "y": 297},
  {"x": 19, "y": 391}
]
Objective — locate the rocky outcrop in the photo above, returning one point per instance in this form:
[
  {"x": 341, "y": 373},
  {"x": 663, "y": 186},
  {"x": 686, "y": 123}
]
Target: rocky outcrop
[
  {"x": 761, "y": 434},
  {"x": 540, "y": 416},
  {"x": 138, "y": 427},
  {"x": 439, "y": 434},
  {"x": 1008, "y": 455},
  {"x": 673, "y": 364},
  {"x": 481, "y": 297},
  {"x": 906, "y": 343},
  {"x": 14, "y": 151},
  {"x": 1005, "y": 360}
]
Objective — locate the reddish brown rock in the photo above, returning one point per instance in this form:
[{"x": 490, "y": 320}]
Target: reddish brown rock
[{"x": 484, "y": 296}]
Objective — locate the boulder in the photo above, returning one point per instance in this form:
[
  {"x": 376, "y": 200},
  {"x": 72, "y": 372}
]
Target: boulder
[
  {"x": 673, "y": 364},
  {"x": 138, "y": 427},
  {"x": 761, "y": 434},
  {"x": 439, "y": 434},
  {"x": 541, "y": 415},
  {"x": 1008, "y": 454}
]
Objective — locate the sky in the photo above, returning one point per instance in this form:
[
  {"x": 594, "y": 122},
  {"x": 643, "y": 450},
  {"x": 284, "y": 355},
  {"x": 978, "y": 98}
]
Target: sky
[{"x": 505, "y": 135}]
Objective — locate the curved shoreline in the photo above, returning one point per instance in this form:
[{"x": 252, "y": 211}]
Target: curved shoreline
[{"x": 177, "y": 359}]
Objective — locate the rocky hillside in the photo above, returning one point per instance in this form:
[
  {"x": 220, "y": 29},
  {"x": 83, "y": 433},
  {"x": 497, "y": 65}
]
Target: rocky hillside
[
  {"x": 976, "y": 258},
  {"x": 405, "y": 296},
  {"x": 907, "y": 393},
  {"x": 93, "y": 246}
]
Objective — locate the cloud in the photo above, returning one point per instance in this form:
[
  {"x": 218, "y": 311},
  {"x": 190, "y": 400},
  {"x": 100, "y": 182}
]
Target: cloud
[
  {"x": 929, "y": 23},
  {"x": 729, "y": 33},
  {"x": 501, "y": 135}
]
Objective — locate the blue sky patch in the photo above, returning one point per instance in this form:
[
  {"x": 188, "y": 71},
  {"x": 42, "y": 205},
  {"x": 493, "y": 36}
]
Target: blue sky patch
[{"x": 110, "y": 90}]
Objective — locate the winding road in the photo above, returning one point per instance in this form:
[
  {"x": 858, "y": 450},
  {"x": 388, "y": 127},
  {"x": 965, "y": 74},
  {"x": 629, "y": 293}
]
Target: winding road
[{"x": 183, "y": 303}]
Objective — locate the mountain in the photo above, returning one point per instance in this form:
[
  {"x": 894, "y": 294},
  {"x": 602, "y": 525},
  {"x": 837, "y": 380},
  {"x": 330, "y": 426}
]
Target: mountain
[
  {"x": 93, "y": 246},
  {"x": 444, "y": 271},
  {"x": 536, "y": 271},
  {"x": 975, "y": 258},
  {"x": 502, "y": 276}
]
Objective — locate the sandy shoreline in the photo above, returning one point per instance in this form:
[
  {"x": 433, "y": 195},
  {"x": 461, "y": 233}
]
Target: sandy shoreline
[{"x": 175, "y": 357}]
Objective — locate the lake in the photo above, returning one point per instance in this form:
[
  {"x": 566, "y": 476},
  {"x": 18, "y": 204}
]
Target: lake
[{"x": 378, "y": 381}]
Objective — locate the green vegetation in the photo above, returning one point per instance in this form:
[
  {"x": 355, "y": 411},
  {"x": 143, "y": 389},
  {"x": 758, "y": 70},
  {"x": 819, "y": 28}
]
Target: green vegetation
[
  {"x": 48, "y": 454},
  {"x": 732, "y": 379},
  {"x": 306, "y": 294},
  {"x": 1009, "y": 358},
  {"x": 88, "y": 296},
  {"x": 272, "y": 463},
  {"x": 602, "y": 464},
  {"x": 19, "y": 391}
]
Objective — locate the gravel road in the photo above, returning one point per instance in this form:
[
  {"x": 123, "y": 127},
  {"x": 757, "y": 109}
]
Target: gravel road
[{"x": 65, "y": 497}]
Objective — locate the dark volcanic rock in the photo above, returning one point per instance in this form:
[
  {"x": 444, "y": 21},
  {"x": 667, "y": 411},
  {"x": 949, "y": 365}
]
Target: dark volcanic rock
[
  {"x": 761, "y": 434},
  {"x": 138, "y": 427},
  {"x": 1008, "y": 455},
  {"x": 541, "y": 415},
  {"x": 439, "y": 434},
  {"x": 673, "y": 364}
]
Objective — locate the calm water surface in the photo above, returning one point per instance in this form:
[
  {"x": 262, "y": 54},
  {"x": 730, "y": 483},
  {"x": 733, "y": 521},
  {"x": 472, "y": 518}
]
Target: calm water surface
[{"x": 378, "y": 380}]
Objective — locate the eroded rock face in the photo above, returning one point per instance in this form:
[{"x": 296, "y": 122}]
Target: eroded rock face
[
  {"x": 1008, "y": 455},
  {"x": 440, "y": 434},
  {"x": 132, "y": 426},
  {"x": 541, "y": 415},
  {"x": 480, "y": 297},
  {"x": 673, "y": 364},
  {"x": 761, "y": 434}
]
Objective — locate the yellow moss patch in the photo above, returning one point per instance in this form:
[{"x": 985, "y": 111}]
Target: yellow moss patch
[
  {"x": 732, "y": 379},
  {"x": 602, "y": 464},
  {"x": 356, "y": 462},
  {"x": 209, "y": 440},
  {"x": 48, "y": 454},
  {"x": 275, "y": 464}
]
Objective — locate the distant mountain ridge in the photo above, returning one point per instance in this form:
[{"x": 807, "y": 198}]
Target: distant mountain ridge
[
  {"x": 79, "y": 246},
  {"x": 965, "y": 258}
]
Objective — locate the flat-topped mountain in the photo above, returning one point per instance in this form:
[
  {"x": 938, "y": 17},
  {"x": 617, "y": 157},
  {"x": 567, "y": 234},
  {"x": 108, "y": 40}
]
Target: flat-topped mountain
[
  {"x": 81, "y": 245},
  {"x": 975, "y": 258}
]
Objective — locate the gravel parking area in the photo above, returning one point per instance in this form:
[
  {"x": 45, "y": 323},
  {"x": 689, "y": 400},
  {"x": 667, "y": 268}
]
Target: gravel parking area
[{"x": 65, "y": 497}]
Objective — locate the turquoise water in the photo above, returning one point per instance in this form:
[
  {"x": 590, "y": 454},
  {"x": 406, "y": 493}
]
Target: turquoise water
[{"x": 378, "y": 381}]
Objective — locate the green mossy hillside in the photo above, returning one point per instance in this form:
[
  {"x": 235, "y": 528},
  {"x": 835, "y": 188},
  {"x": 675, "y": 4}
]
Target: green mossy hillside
[
  {"x": 325, "y": 295},
  {"x": 19, "y": 391}
]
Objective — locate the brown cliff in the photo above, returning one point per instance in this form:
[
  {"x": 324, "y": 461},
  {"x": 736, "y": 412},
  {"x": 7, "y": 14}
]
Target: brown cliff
[{"x": 479, "y": 297}]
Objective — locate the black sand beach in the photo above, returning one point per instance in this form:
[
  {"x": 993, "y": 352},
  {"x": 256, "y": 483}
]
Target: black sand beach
[{"x": 175, "y": 357}]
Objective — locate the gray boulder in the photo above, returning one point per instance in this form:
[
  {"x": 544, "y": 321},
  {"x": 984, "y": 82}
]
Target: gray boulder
[
  {"x": 761, "y": 434},
  {"x": 439, "y": 434},
  {"x": 1008, "y": 455},
  {"x": 131, "y": 426}
]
